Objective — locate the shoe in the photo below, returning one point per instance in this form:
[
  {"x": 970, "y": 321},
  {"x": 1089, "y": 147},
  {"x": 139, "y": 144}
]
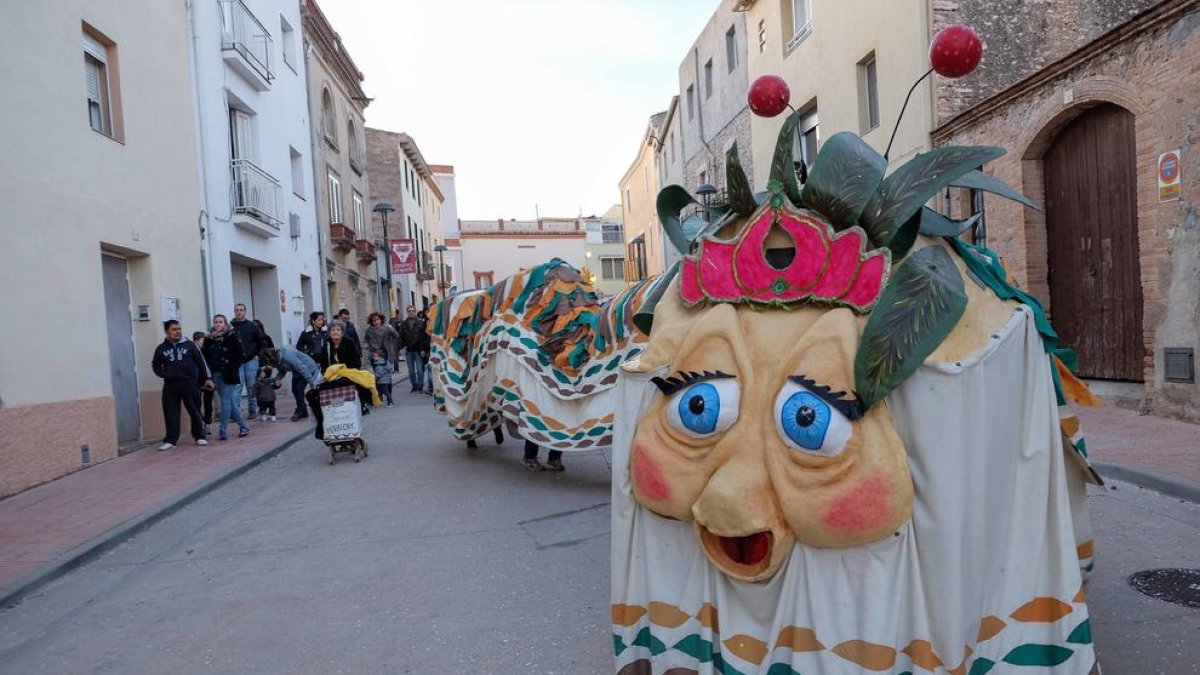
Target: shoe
[
  {"x": 532, "y": 465},
  {"x": 555, "y": 465},
  {"x": 297, "y": 418},
  {"x": 243, "y": 431},
  {"x": 471, "y": 445},
  {"x": 222, "y": 436},
  {"x": 207, "y": 431},
  {"x": 389, "y": 404},
  {"x": 201, "y": 441},
  {"x": 165, "y": 446},
  {"x": 253, "y": 414}
]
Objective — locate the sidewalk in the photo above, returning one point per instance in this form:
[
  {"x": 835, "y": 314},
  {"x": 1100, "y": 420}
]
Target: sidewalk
[
  {"x": 1155, "y": 452},
  {"x": 50, "y": 529}
]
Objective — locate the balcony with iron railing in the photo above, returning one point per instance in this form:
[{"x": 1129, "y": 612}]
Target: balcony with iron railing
[
  {"x": 246, "y": 44},
  {"x": 256, "y": 196}
]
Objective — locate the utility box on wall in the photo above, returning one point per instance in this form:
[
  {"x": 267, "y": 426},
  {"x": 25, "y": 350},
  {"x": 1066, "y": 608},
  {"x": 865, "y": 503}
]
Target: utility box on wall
[{"x": 1179, "y": 365}]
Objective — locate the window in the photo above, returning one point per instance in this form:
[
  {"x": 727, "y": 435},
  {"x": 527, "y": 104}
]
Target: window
[
  {"x": 352, "y": 148},
  {"x": 868, "y": 94},
  {"x": 328, "y": 119},
  {"x": 241, "y": 135},
  {"x": 708, "y": 85},
  {"x": 731, "y": 47},
  {"x": 672, "y": 147},
  {"x": 691, "y": 101},
  {"x": 810, "y": 136},
  {"x": 287, "y": 43},
  {"x": 979, "y": 231},
  {"x": 703, "y": 177},
  {"x": 407, "y": 185},
  {"x": 612, "y": 269},
  {"x": 98, "y": 63},
  {"x": 297, "y": 173},
  {"x": 360, "y": 215},
  {"x": 335, "y": 198},
  {"x": 801, "y": 22}
]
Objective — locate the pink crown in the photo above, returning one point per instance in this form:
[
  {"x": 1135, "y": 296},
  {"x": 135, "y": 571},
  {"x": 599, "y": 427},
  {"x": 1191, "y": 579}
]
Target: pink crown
[{"x": 826, "y": 268}]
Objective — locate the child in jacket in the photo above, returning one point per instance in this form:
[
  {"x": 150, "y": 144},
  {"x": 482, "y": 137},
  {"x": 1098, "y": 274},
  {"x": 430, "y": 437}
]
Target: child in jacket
[{"x": 383, "y": 375}]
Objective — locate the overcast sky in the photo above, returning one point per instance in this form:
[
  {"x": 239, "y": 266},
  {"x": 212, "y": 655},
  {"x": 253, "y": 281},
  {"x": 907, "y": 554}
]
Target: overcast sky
[{"x": 533, "y": 101}]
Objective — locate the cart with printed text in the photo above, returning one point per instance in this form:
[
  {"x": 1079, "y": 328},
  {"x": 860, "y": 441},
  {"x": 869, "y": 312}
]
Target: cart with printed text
[{"x": 341, "y": 412}]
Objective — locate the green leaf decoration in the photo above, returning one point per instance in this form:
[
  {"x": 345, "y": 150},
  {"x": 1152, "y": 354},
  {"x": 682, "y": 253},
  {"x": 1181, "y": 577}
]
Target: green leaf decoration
[
  {"x": 644, "y": 317},
  {"x": 845, "y": 176},
  {"x": 1082, "y": 635},
  {"x": 908, "y": 188},
  {"x": 981, "y": 666},
  {"x": 978, "y": 180},
  {"x": 741, "y": 197},
  {"x": 902, "y": 242},
  {"x": 934, "y": 224},
  {"x": 618, "y": 645},
  {"x": 916, "y": 311},
  {"x": 671, "y": 201},
  {"x": 783, "y": 168},
  {"x": 1038, "y": 655}
]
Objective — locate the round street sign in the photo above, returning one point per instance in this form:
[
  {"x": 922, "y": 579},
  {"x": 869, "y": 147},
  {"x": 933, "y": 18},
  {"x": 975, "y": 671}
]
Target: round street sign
[{"x": 1168, "y": 167}]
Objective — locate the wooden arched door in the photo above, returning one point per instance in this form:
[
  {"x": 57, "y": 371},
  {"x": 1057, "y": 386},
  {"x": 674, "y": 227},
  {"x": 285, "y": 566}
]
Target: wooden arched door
[{"x": 1092, "y": 243}]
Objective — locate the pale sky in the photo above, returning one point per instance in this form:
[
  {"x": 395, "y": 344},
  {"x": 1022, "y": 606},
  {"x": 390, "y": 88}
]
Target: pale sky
[{"x": 533, "y": 101}]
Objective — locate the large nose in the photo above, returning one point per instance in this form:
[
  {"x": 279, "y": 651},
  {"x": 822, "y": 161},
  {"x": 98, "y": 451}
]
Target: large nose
[{"x": 738, "y": 499}]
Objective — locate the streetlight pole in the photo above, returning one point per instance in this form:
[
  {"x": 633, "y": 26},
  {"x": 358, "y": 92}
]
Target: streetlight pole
[
  {"x": 383, "y": 209},
  {"x": 441, "y": 248}
]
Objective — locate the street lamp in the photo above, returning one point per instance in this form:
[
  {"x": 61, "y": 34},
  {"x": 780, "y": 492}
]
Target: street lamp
[
  {"x": 384, "y": 208},
  {"x": 440, "y": 249}
]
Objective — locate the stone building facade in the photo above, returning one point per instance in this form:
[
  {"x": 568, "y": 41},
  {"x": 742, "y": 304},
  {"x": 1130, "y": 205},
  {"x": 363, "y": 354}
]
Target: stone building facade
[{"x": 1052, "y": 72}]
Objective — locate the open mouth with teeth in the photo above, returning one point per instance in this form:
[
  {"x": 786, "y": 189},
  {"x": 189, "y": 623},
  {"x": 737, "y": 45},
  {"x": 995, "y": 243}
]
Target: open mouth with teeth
[{"x": 745, "y": 557}]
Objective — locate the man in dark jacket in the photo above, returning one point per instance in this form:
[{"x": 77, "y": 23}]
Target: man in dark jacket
[
  {"x": 183, "y": 370},
  {"x": 312, "y": 344},
  {"x": 253, "y": 341},
  {"x": 412, "y": 333},
  {"x": 343, "y": 315},
  {"x": 397, "y": 324}
]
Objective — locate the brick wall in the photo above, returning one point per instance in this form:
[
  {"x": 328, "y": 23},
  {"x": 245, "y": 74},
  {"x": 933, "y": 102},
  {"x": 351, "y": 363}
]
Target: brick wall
[{"x": 1155, "y": 74}]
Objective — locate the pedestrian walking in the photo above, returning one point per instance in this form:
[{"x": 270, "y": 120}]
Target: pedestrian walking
[
  {"x": 223, "y": 352},
  {"x": 310, "y": 344},
  {"x": 396, "y": 322},
  {"x": 423, "y": 348},
  {"x": 183, "y": 370},
  {"x": 264, "y": 393},
  {"x": 383, "y": 375},
  {"x": 412, "y": 335},
  {"x": 253, "y": 340},
  {"x": 351, "y": 331},
  {"x": 206, "y": 393},
  {"x": 531, "y": 463},
  {"x": 380, "y": 336}
]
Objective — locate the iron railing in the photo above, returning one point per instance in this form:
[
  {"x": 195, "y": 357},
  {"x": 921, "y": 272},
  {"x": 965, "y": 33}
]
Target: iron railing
[
  {"x": 255, "y": 192},
  {"x": 245, "y": 34}
]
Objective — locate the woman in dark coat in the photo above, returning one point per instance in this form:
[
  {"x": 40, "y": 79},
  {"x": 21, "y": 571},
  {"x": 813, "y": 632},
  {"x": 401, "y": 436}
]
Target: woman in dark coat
[
  {"x": 340, "y": 348},
  {"x": 223, "y": 352}
]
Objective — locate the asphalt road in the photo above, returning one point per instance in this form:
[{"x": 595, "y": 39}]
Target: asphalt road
[{"x": 429, "y": 558}]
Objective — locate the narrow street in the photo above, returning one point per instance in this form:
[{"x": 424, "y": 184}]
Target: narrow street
[{"x": 430, "y": 558}]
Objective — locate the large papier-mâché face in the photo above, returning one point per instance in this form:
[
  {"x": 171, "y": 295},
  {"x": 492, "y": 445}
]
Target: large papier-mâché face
[{"x": 758, "y": 438}]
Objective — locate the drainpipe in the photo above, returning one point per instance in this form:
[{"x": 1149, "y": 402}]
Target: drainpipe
[
  {"x": 203, "y": 219},
  {"x": 314, "y": 138}
]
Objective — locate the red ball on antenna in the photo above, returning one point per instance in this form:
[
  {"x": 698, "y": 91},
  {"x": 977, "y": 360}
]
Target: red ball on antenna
[
  {"x": 955, "y": 51},
  {"x": 769, "y": 96}
]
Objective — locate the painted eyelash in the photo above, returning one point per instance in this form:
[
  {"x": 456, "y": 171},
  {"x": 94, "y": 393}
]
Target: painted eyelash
[
  {"x": 679, "y": 380},
  {"x": 850, "y": 406}
]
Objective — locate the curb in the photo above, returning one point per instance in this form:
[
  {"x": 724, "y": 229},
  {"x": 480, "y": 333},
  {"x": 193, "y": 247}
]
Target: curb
[
  {"x": 1172, "y": 487},
  {"x": 88, "y": 551}
]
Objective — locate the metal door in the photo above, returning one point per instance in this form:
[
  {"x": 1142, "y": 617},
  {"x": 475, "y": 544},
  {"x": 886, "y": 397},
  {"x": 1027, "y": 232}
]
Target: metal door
[
  {"x": 122, "y": 363},
  {"x": 1092, "y": 243}
]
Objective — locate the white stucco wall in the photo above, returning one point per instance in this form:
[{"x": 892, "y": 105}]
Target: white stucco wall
[
  {"x": 485, "y": 248},
  {"x": 281, "y": 122},
  {"x": 68, "y": 191}
]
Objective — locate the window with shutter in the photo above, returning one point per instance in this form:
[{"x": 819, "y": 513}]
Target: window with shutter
[
  {"x": 360, "y": 221},
  {"x": 96, "y": 75},
  {"x": 335, "y": 198}
]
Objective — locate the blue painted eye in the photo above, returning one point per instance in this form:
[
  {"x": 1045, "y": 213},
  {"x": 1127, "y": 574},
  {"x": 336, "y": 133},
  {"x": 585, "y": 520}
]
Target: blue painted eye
[
  {"x": 807, "y": 423},
  {"x": 704, "y": 408}
]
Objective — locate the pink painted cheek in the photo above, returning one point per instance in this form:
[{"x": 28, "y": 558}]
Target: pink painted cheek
[
  {"x": 648, "y": 478},
  {"x": 863, "y": 507}
]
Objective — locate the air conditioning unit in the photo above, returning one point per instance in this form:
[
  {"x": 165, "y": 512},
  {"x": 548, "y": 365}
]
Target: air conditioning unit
[{"x": 294, "y": 223}]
